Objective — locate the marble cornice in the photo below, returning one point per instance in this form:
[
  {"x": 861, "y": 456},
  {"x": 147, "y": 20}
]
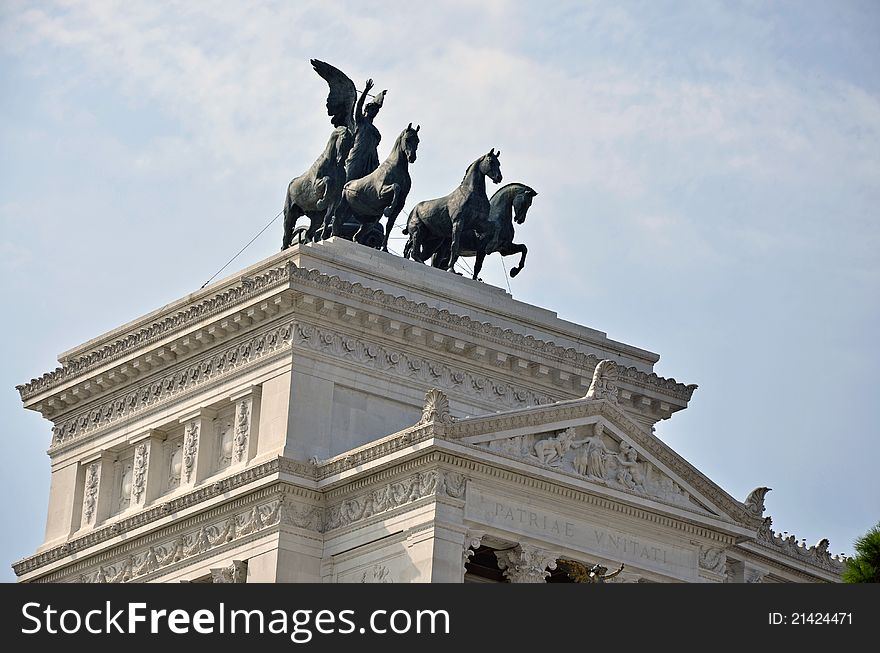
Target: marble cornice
[
  {"x": 299, "y": 279},
  {"x": 781, "y": 563},
  {"x": 475, "y": 469},
  {"x": 156, "y": 392},
  {"x": 147, "y": 516},
  {"x": 536, "y": 417}
]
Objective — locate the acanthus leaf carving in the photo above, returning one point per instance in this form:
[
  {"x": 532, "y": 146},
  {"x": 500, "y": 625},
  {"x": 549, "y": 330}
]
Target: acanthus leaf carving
[
  {"x": 141, "y": 461},
  {"x": 605, "y": 380},
  {"x": 190, "y": 448},
  {"x": 754, "y": 503},
  {"x": 436, "y": 408},
  {"x": 90, "y": 494},
  {"x": 526, "y": 564}
]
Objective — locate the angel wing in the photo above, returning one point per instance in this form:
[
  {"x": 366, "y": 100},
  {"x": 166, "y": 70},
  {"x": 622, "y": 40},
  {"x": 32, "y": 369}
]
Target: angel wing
[{"x": 342, "y": 96}]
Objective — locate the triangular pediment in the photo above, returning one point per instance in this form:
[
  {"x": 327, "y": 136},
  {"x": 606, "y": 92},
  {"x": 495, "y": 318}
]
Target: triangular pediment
[{"x": 593, "y": 440}]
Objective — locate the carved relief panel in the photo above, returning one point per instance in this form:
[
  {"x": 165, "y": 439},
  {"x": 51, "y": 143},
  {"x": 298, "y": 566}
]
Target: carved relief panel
[{"x": 594, "y": 453}]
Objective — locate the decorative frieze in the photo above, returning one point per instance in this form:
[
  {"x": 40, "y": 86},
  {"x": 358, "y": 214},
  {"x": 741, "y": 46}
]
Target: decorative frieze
[
  {"x": 394, "y": 495},
  {"x": 161, "y": 390},
  {"x": 192, "y": 543},
  {"x": 591, "y": 453},
  {"x": 304, "y": 278},
  {"x": 526, "y": 564},
  {"x": 415, "y": 368}
]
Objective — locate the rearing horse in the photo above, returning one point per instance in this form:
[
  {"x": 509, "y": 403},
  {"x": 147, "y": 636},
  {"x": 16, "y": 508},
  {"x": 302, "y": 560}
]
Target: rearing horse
[
  {"x": 432, "y": 223},
  {"x": 383, "y": 191},
  {"x": 316, "y": 192},
  {"x": 509, "y": 204}
]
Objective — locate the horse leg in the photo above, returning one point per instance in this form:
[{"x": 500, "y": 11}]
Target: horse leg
[
  {"x": 339, "y": 214},
  {"x": 390, "y": 211},
  {"x": 456, "y": 243},
  {"x": 481, "y": 255},
  {"x": 291, "y": 213},
  {"x": 513, "y": 248}
]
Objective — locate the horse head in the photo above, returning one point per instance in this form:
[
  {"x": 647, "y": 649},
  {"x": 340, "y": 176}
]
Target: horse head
[
  {"x": 490, "y": 166},
  {"x": 409, "y": 142},
  {"x": 521, "y": 203}
]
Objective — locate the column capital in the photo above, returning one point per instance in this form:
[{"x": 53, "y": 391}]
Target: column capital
[{"x": 526, "y": 563}]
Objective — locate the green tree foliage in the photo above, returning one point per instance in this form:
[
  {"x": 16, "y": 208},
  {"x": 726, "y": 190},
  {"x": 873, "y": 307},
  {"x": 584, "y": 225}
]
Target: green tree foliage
[{"x": 864, "y": 567}]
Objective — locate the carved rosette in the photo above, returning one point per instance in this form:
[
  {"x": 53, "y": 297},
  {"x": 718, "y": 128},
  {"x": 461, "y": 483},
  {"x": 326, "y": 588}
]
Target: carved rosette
[
  {"x": 190, "y": 447},
  {"x": 234, "y": 573},
  {"x": 604, "y": 383},
  {"x": 436, "y": 408},
  {"x": 526, "y": 564},
  {"x": 141, "y": 460},
  {"x": 242, "y": 428},
  {"x": 90, "y": 494}
]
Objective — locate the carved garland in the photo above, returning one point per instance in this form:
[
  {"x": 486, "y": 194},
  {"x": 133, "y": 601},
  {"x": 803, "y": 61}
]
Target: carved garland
[
  {"x": 141, "y": 461},
  {"x": 90, "y": 499},
  {"x": 173, "y": 384},
  {"x": 190, "y": 448},
  {"x": 242, "y": 427},
  {"x": 186, "y": 545},
  {"x": 392, "y": 496}
]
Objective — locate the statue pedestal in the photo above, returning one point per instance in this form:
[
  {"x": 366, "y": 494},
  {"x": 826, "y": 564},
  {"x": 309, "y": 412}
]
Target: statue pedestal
[{"x": 335, "y": 413}]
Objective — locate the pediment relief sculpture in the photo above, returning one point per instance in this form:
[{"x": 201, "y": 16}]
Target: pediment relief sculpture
[{"x": 592, "y": 452}]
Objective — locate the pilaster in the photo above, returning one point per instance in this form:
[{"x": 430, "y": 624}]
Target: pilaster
[
  {"x": 246, "y": 424},
  {"x": 198, "y": 447},
  {"x": 98, "y": 488},
  {"x": 147, "y": 479}
]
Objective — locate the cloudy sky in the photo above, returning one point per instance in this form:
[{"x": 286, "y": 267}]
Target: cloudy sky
[{"x": 708, "y": 178}]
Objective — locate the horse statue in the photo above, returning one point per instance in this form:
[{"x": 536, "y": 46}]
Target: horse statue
[
  {"x": 433, "y": 223},
  {"x": 509, "y": 204},
  {"x": 316, "y": 193},
  {"x": 382, "y": 192}
]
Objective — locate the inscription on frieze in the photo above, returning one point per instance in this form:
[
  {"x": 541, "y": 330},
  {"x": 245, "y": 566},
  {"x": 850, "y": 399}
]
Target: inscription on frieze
[{"x": 632, "y": 548}]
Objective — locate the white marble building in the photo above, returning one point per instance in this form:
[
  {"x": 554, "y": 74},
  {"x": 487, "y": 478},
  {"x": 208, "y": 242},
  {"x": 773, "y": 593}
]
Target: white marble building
[{"x": 336, "y": 414}]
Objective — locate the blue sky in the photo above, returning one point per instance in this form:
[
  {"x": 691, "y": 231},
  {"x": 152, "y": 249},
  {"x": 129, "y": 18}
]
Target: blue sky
[{"x": 708, "y": 178}]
